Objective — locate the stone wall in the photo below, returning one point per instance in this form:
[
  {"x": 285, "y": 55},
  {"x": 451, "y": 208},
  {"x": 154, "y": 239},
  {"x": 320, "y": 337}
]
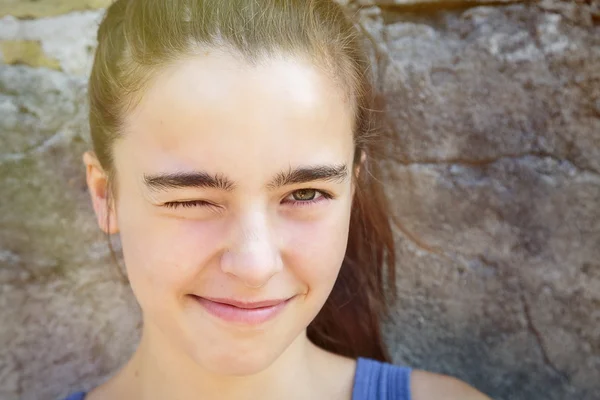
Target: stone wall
[{"x": 494, "y": 110}]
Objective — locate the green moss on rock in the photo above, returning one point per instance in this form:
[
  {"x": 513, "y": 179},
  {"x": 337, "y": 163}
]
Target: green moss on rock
[
  {"x": 27, "y": 52},
  {"x": 47, "y": 8}
]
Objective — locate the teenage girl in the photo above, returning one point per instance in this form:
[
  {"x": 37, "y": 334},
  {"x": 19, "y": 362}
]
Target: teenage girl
[{"x": 235, "y": 153}]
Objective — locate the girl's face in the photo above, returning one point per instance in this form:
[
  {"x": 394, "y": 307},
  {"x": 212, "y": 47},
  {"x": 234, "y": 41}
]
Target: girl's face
[{"x": 234, "y": 184}]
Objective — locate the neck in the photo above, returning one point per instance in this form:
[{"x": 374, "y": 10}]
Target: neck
[{"x": 158, "y": 371}]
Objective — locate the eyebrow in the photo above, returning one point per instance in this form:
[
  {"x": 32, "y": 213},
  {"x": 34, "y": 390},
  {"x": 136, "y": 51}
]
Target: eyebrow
[
  {"x": 182, "y": 180},
  {"x": 337, "y": 173},
  {"x": 204, "y": 180}
]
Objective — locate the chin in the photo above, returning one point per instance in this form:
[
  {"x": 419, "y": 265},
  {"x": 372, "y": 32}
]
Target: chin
[{"x": 233, "y": 363}]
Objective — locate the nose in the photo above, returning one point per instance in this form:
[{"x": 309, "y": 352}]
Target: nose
[{"x": 253, "y": 256}]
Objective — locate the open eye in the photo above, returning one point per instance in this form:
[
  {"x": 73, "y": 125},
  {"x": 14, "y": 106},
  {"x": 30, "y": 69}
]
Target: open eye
[
  {"x": 305, "y": 197},
  {"x": 305, "y": 194}
]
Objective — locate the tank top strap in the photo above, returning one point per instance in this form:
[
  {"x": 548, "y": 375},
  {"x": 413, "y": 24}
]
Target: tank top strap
[
  {"x": 375, "y": 380},
  {"x": 77, "y": 396}
]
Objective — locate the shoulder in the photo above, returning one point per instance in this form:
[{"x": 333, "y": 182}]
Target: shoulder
[
  {"x": 380, "y": 380},
  {"x": 429, "y": 386}
]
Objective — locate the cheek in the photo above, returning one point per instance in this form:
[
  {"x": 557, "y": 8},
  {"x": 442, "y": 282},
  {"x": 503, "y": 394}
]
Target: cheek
[
  {"x": 317, "y": 249},
  {"x": 165, "y": 254}
]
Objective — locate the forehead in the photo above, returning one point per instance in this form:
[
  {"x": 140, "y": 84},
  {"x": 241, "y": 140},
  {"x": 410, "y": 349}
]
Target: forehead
[{"x": 216, "y": 111}]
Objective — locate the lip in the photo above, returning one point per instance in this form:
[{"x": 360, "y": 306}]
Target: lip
[{"x": 247, "y": 313}]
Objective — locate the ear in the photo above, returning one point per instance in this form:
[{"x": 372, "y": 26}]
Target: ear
[
  {"x": 97, "y": 182},
  {"x": 357, "y": 169}
]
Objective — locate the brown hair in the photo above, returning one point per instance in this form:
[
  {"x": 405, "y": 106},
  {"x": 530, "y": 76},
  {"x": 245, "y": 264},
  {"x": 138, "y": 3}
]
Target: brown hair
[{"x": 138, "y": 37}]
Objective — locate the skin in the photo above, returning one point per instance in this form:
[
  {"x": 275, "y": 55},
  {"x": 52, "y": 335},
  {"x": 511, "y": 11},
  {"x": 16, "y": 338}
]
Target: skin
[{"x": 256, "y": 236}]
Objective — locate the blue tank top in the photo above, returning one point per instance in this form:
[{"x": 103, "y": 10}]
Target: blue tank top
[{"x": 374, "y": 380}]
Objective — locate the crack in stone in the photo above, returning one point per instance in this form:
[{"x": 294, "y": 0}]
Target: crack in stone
[
  {"x": 428, "y": 7},
  {"x": 21, "y": 379},
  {"x": 416, "y": 241},
  {"x": 539, "y": 338},
  {"x": 491, "y": 160},
  {"x": 428, "y": 299}
]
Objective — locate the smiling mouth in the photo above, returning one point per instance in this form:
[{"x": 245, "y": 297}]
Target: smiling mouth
[{"x": 238, "y": 312}]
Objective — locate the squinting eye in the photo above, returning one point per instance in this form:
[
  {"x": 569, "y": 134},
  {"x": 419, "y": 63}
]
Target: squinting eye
[{"x": 188, "y": 204}]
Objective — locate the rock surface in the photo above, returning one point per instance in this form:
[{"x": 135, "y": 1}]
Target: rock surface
[
  {"x": 71, "y": 318},
  {"x": 68, "y": 40},
  {"x": 494, "y": 159}
]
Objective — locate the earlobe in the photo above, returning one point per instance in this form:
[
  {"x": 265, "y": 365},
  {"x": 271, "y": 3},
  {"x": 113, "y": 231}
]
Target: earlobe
[{"x": 98, "y": 185}]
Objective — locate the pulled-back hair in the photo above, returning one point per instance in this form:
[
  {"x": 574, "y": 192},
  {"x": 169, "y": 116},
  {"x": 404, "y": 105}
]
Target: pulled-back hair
[{"x": 138, "y": 38}]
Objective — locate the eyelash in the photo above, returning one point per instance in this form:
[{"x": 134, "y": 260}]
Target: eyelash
[
  {"x": 187, "y": 204},
  {"x": 296, "y": 203}
]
